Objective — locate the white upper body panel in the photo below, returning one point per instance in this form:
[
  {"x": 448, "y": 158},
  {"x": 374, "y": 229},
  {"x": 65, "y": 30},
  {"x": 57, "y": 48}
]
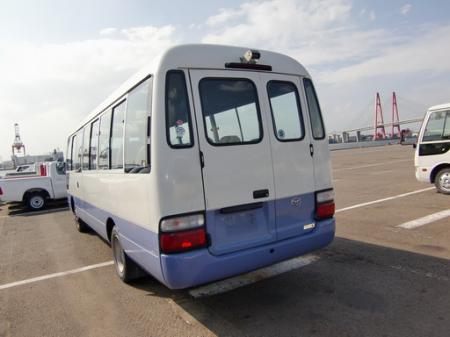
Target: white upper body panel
[
  {"x": 199, "y": 56},
  {"x": 439, "y": 107}
]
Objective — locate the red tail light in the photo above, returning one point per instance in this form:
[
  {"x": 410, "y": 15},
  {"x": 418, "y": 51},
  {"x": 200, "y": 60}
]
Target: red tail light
[
  {"x": 1, "y": 191},
  {"x": 176, "y": 242},
  {"x": 325, "y": 207},
  {"x": 43, "y": 170},
  {"x": 325, "y": 210}
]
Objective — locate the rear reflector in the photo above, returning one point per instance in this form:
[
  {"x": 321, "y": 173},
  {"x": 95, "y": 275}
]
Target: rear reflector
[
  {"x": 325, "y": 210},
  {"x": 177, "y": 242}
]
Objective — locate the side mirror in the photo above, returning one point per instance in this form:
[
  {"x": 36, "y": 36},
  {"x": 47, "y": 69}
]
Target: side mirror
[{"x": 414, "y": 145}]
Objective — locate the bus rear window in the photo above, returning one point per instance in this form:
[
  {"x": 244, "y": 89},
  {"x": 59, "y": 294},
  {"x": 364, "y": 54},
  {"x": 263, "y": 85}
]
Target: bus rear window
[
  {"x": 315, "y": 114},
  {"x": 230, "y": 111},
  {"x": 178, "y": 114}
]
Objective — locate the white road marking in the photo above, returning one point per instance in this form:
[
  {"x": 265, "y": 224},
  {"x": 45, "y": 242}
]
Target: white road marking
[
  {"x": 232, "y": 283},
  {"x": 425, "y": 220},
  {"x": 49, "y": 276},
  {"x": 252, "y": 277},
  {"x": 383, "y": 200},
  {"x": 372, "y": 165},
  {"x": 360, "y": 150}
]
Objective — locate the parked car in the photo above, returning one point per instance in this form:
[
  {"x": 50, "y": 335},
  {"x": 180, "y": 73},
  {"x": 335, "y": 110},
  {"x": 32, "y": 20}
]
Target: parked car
[{"x": 36, "y": 188}]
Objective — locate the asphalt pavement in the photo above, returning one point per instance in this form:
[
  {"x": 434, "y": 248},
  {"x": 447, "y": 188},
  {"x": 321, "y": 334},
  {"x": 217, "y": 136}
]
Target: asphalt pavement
[{"x": 376, "y": 279}]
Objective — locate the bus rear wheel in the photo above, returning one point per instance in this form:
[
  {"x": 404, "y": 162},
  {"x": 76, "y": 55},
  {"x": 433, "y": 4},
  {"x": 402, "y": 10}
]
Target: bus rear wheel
[
  {"x": 126, "y": 268},
  {"x": 442, "y": 181}
]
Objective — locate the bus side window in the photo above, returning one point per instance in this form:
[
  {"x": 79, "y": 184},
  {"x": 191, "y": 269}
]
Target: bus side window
[
  {"x": 315, "y": 115},
  {"x": 446, "y": 134},
  {"x": 85, "y": 153},
  {"x": 178, "y": 114},
  {"x": 103, "y": 141},
  {"x": 93, "y": 145},
  {"x": 137, "y": 118},
  {"x": 69, "y": 153},
  {"x": 76, "y": 151},
  {"x": 118, "y": 119}
]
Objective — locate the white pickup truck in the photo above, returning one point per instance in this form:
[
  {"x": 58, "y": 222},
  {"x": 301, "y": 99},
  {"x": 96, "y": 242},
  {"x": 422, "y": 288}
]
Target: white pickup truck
[{"x": 35, "y": 189}]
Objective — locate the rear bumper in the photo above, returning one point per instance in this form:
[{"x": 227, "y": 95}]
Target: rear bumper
[{"x": 200, "y": 266}]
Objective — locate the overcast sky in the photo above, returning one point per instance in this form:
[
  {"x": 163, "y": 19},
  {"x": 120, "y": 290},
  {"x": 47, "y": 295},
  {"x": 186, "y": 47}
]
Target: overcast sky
[{"x": 60, "y": 58}]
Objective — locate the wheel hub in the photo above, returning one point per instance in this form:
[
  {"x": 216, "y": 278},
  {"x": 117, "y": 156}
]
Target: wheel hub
[
  {"x": 444, "y": 181},
  {"x": 37, "y": 202}
]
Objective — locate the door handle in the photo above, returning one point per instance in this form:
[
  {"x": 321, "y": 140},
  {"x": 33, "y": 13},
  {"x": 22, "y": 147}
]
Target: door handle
[
  {"x": 311, "y": 150},
  {"x": 260, "y": 194}
]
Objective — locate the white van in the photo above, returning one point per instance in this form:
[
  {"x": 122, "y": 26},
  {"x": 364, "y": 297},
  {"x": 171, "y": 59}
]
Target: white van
[
  {"x": 432, "y": 157},
  {"x": 210, "y": 162}
]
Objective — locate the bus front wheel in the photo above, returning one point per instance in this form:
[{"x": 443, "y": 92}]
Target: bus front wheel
[{"x": 442, "y": 180}]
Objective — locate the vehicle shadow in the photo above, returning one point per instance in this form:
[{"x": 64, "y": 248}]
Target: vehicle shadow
[
  {"x": 354, "y": 289},
  {"x": 19, "y": 209}
]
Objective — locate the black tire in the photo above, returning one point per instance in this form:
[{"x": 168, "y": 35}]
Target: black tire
[
  {"x": 36, "y": 201},
  {"x": 126, "y": 269},
  {"x": 442, "y": 180},
  {"x": 82, "y": 226}
]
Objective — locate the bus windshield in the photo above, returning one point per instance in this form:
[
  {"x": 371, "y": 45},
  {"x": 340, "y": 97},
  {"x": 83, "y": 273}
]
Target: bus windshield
[{"x": 438, "y": 126}]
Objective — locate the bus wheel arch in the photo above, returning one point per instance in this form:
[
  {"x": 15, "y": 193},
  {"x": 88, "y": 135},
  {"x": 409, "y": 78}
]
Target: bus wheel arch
[
  {"x": 436, "y": 170},
  {"x": 109, "y": 227},
  {"x": 126, "y": 268}
]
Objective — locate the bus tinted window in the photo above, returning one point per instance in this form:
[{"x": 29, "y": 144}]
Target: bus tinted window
[
  {"x": 136, "y": 128},
  {"x": 93, "y": 145},
  {"x": 286, "y": 112},
  {"x": 103, "y": 141},
  {"x": 315, "y": 115},
  {"x": 69, "y": 154},
  {"x": 86, "y": 138},
  {"x": 438, "y": 126},
  {"x": 178, "y": 115},
  {"x": 77, "y": 150},
  {"x": 230, "y": 111},
  {"x": 118, "y": 118}
]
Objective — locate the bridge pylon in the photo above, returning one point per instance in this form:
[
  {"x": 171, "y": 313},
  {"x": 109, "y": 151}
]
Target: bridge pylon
[
  {"x": 395, "y": 119},
  {"x": 379, "y": 121}
]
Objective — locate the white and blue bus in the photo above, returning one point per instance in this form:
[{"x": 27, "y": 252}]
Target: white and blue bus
[
  {"x": 210, "y": 162},
  {"x": 432, "y": 156}
]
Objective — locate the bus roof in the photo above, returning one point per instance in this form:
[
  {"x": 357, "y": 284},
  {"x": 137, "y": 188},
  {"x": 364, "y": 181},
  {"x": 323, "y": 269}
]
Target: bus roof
[
  {"x": 440, "y": 106},
  {"x": 200, "y": 56}
]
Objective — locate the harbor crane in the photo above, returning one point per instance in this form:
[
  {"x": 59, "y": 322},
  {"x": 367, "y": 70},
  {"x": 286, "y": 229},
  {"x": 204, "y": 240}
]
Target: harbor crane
[{"x": 18, "y": 145}]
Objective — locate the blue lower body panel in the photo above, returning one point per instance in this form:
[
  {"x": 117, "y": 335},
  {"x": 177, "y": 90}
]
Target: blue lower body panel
[{"x": 198, "y": 267}]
